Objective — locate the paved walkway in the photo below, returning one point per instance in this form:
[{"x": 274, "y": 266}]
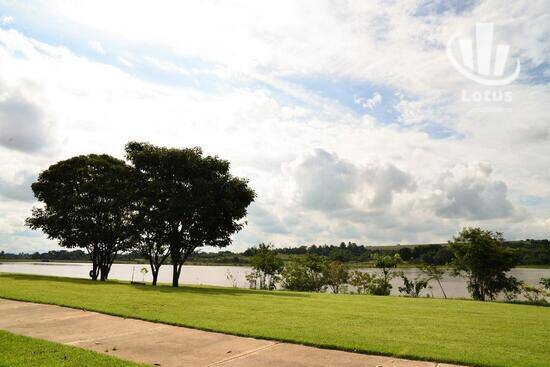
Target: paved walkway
[{"x": 167, "y": 346}]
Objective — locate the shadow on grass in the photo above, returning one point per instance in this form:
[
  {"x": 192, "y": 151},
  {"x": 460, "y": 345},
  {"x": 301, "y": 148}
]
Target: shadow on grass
[
  {"x": 162, "y": 288},
  {"x": 215, "y": 290}
]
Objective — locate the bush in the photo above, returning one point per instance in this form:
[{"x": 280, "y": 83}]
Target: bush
[
  {"x": 361, "y": 281},
  {"x": 266, "y": 266},
  {"x": 534, "y": 294},
  {"x": 381, "y": 285},
  {"x": 335, "y": 274},
  {"x": 413, "y": 288},
  {"x": 304, "y": 274}
]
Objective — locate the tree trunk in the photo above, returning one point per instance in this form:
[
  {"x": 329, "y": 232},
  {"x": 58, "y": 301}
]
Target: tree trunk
[
  {"x": 104, "y": 273},
  {"x": 155, "y": 273},
  {"x": 178, "y": 258},
  {"x": 176, "y": 271},
  {"x": 106, "y": 262},
  {"x": 155, "y": 261},
  {"x": 94, "y": 273},
  {"x": 440, "y": 286}
]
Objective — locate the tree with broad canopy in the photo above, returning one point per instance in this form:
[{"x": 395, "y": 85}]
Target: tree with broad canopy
[
  {"x": 87, "y": 205},
  {"x": 184, "y": 201}
]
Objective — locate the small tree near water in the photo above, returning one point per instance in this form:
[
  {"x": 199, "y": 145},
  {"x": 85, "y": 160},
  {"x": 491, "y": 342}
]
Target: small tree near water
[
  {"x": 413, "y": 288},
  {"x": 304, "y": 274},
  {"x": 335, "y": 275},
  {"x": 482, "y": 258},
  {"x": 266, "y": 265},
  {"x": 361, "y": 281},
  {"x": 382, "y": 285},
  {"x": 433, "y": 272}
]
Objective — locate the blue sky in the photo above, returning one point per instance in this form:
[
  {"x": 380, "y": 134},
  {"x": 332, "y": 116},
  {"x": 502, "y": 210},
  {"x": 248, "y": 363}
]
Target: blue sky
[{"x": 348, "y": 118}]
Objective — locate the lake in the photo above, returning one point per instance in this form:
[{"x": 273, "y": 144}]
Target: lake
[{"x": 455, "y": 287}]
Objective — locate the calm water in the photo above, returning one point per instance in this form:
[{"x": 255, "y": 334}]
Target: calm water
[{"x": 218, "y": 275}]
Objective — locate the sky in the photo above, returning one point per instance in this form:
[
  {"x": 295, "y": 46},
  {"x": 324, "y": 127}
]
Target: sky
[{"x": 347, "y": 117}]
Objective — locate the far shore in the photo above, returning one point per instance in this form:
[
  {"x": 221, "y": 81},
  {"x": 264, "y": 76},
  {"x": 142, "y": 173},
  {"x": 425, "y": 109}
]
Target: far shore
[{"x": 355, "y": 265}]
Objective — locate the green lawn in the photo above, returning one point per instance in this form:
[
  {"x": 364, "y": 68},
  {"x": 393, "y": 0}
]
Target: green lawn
[
  {"x": 21, "y": 351},
  {"x": 460, "y": 331}
]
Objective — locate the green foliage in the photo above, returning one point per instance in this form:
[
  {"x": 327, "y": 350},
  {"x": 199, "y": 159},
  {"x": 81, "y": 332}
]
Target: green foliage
[
  {"x": 374, "y": 284},
  {"x": 491, "y": 334},
  {"x": 87, "y": 204},
  {"x": 267, "y": 265},
  {"x": 381, "y": 285},
  {"x": 304, "y": 274},
  {"x": 185, "y": 201},
  {"x": 386, "y": 262},
  {"x": 361, "y": 281},
  {"x": 482, "y": 258},
  {"x": 413, "y": 288},
  {"x": 335, "y": 275},
  {"x": 531, "y": 252},
  {"x": 534, "y": 294},
  {"x": 545, "y": 282}
]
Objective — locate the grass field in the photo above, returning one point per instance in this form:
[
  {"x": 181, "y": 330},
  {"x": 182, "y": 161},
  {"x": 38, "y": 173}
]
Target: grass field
[
  {"x": 21, "y": 351},
  {"x": 460, "y": 331}
]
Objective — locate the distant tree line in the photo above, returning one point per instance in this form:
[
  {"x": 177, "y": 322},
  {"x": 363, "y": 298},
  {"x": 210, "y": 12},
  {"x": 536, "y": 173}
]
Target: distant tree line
[
  {"x": 351, "y": 252},
  {"x": 529, "y": 252},
  {"x": 64, "y": 255}
]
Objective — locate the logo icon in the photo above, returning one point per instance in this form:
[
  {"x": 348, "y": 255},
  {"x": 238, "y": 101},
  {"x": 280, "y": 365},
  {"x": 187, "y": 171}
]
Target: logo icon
[{"x": 482, "y": 71}]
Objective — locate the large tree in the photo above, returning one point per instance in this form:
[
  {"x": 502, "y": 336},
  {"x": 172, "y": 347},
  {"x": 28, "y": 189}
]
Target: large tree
[
  {"x": 187, "y": 201},
  {"x": 481, "y": 256},
  {"x": 87, "y": 204}
]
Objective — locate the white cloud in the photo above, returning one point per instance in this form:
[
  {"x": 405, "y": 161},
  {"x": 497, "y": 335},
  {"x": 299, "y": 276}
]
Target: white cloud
[
  {"x": 324, "y": 181},
  {"x": 97, "y": 47},
  {"x": 469, "y": 192},
  {"x": 369, "y": 103},
  {"x": 24, "y": 123},
  {"x": 18, "y": 188},
  {"x": 125, "y": 61},
  {"x": 6, "y": 19},
  {"x": 322, "y": 173}
]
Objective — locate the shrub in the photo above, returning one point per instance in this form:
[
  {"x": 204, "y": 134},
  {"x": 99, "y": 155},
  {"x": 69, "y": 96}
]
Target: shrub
[
  {"x": 432, "y": 272},
  {"x": 335, "y": 275},
  {"x": 267, "y": 265},
  {"x": 534, "y": 294},
  {"x": 381, "y": 285},
  {"x": 304, "y": 274},
  {"x": 360, "y": 280},
  {"x": 413, "y": 288}
]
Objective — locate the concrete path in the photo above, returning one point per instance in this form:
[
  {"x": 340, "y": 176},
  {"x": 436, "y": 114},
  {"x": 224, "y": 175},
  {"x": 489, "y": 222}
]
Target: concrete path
[{"x": 167, "y": 346}]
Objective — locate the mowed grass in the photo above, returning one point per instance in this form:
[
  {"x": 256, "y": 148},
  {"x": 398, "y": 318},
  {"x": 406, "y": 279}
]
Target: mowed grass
[
  {"x": 21, "y": 351},
  {"x": 459, "y": 331}
]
